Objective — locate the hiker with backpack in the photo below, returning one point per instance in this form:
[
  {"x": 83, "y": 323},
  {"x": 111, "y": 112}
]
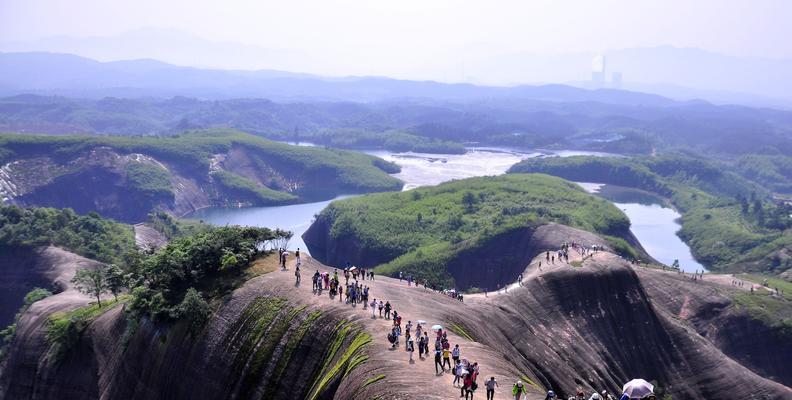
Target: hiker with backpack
[
  {"x": 469, "y": 384},
  {"x": 457, "y": 373},
  {"x": 518, "y": 390}
]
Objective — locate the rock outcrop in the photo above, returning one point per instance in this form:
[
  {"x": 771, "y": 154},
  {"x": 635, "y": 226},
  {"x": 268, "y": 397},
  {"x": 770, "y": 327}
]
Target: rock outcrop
[
  {"x": 127, "y": 179},
  {"x": 593, "y": 324}
]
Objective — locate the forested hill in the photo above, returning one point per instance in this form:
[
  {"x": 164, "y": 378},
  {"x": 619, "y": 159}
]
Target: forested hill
[
  {"x": 730, "y": 222},
  {"x": 127, "y": 177},
  {"x": 422, "y": 125},
  {"x": 434, "y": 232}
]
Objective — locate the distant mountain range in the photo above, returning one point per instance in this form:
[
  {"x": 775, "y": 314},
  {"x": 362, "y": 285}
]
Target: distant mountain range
[
  {"x": 678, "y": 73},
  {"x": 70, "y": 75}
]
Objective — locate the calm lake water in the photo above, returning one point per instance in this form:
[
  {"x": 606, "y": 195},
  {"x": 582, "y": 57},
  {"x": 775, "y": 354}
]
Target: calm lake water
[
  {"x": 654, "y": 225},
  {"x": 652, "y": 222},
  {"x": 296, "y": 218}
]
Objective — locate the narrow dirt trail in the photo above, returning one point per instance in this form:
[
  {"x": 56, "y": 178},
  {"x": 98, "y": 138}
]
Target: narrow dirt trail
[{"x": 417, "y": 379}]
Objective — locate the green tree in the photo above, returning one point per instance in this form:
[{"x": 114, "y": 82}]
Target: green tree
[
  {"x": 468, "y": 200},
  {"x": 229, "y": 260},
  {"x": 116, "y": 280},
  {"x": 193, "y": 308},
  {"x": 92, "y": 282}
]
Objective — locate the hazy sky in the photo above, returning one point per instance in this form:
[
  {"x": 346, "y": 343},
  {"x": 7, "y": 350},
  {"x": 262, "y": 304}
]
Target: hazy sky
[{"x": 405, "y": 35}]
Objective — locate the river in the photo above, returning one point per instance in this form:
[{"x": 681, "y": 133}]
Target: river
[{"x": 653, "y": 224}]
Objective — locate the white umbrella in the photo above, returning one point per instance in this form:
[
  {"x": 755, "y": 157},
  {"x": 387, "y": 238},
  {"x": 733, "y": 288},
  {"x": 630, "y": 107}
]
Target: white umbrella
[
  {"x": 437, "y": 327},
  {"x": 353, "y": 268},
  {"x": 638, "y": 389}
]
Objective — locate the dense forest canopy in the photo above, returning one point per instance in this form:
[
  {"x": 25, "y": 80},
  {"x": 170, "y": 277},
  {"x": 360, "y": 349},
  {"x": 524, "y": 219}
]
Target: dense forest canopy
[{"x": 424, "y": 125}]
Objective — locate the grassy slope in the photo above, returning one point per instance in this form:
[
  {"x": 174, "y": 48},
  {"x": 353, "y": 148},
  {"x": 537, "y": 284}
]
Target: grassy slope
[
  {"x": 194, "y": 149},
  {"x": 152, "y": 180},
  {"x": 248, "y": 189},
  {"x": 712, "y": 222},
  {"x": 421, "y": 225}
]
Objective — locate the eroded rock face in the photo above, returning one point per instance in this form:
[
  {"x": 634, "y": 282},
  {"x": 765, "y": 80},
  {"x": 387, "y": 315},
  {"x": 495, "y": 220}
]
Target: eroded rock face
[
  {"x": 259, "y": 344},
  {"x": 95, "y": 180},
  {"x": 595, "y": 326},
  {"x": 98, "y": 179},
  {"x": 24, "y": 268},
  {"x": 713, "y": 315},
  {"x": 497, "y": 260},
  {"x": 502, "y": 257}
]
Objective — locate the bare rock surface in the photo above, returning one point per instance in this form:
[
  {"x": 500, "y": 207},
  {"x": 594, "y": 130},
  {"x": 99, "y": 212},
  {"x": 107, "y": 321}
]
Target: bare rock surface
[
  {"x": 594, "y": 324},
  {"x": 148, "y": 238}
]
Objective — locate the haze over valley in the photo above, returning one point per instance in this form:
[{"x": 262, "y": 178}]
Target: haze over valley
[{"x": 404, "y": 200}]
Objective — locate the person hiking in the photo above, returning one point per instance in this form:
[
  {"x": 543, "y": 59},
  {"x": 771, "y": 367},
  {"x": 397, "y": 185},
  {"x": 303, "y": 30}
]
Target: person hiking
[
  {"x": 455, "y": 354},
  {"x": 373, "y": 308},
  {"x": 518, "y": 390},
  {"x": 297, "y": 274},
  {"x": 438, "y": 362},
  {"x": 387, "y": 310},
  {"x": 410, "y": 347},
  {"x": 297, "y": 255},
  {"x": 426, "y": 344},
  {"x": 550, "y": 395},
  {"x": 470, "y": 385},
  {"x": 380, "y": 306},
  {"x": 446, "y": 359},
  {"x": 491, "y": 385},
  {"x": 457, "y": 374},
  {"x": 316, "y": 280}
]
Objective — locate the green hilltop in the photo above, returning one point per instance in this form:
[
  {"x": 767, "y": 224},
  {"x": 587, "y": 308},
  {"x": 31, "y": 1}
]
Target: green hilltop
[{"x": 419, "y": 230}]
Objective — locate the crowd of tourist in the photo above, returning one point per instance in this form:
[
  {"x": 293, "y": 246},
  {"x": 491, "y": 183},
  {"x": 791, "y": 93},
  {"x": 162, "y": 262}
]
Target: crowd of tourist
[{"x": 447, "y": 359}]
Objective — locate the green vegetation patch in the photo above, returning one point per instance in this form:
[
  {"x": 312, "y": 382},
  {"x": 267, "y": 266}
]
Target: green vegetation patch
[
  {"x": 193, "y": 151},
  {"x": 172, "y": 228},
  {"x": 354, "y": 341},
  {"x": 212, "y": 261},
  {"x": 152, "y": 180},
  {"x": 771, "y": 171},
  {"x": 459, "y": 330},
  {"x": 87, "y": 235},
  {"x": 392, "y": 140},
  {"x": 373, "y": 380},
  {"x": 64, "y": 329},
  {"x": 773, "y": 311},
  {"x": 248, "y": 190},
  {"x": 726, "y": 219},
  {"x": 7, "y": 334},
  {"x": 420, "y": 230},
  {"x": 773, "y": 283}
]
